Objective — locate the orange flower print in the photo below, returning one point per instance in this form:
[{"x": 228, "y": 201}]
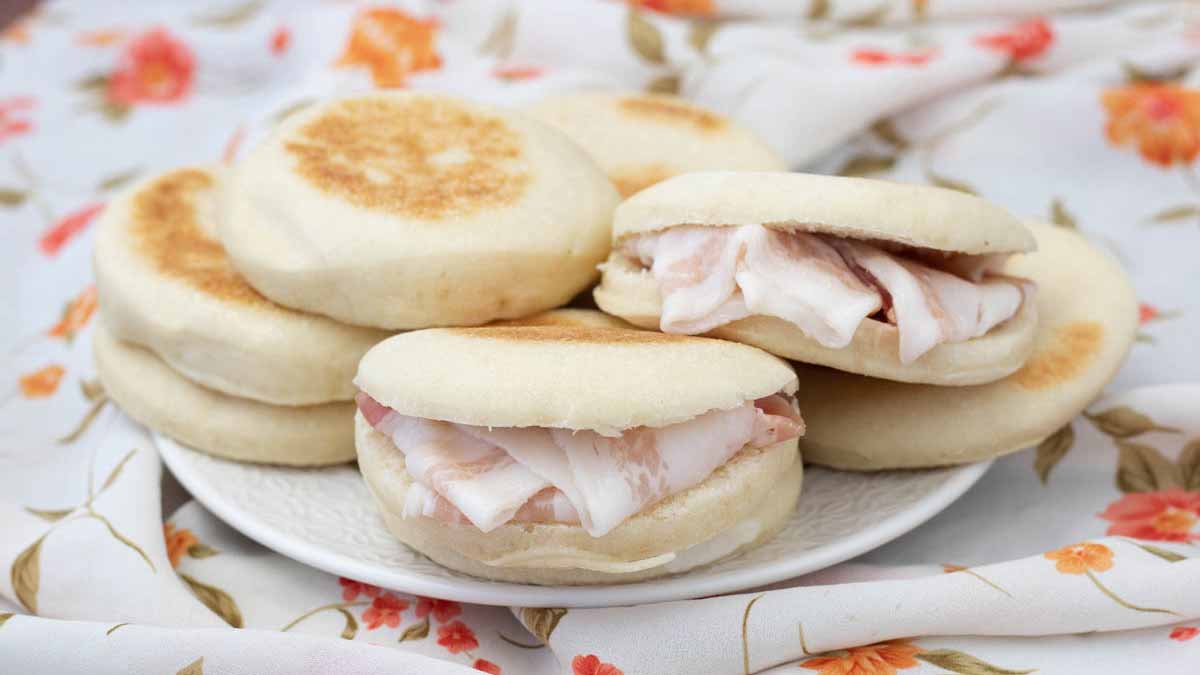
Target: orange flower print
[
  {"x": 13, "y": 116},
  {"x": 75, "y": 315},
  {"x": 351, "y": 589},
  {"x": 1162, "y": 120},
  {"x": 879, "y": 57},
  {"x": 516, "y": 73},
  {"x": 1147, "y": 313},
  {"x": 1079, "y": 558},
  {"x": 155, "y": 67},
  {"x": 1184, "y": 633},
  {"x": 384, "y": 610},
  {"x": 281, "y": 39},
  {"x": 1022, "y": 42},
  {"x": 486, "y": 666},
  {"x": 392, "y": 44},
  {"x": 1170, "y": 515},
  {"x": 178, "y": 542},
  {"x": 18, "y": 31},
  {"x": 1087, "y": 557},
  {"x": 456, "y": 637},
  {"x": 687, "y": 7},
  {"x": 43, "y": 382},
  {"x": 53, "y": 239},
  {"x": 442, "y": 610},
  {"x": 592, "y": 665},
  {"x": 101, "y": 37},
  {"x": 884, "y": 658}
]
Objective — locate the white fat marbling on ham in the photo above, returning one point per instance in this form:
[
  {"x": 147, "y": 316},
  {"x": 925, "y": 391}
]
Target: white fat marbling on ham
[
  {"x": 710, "y": 276},
  {"x": 826, "y": 286},
  {"x": 548, "y": 506},
  {"x": 930, "y": 306},
  {"x": 488, "y": 477},
  {"x": 695, "y": 270},
  {"x": 480, "y": 479}
]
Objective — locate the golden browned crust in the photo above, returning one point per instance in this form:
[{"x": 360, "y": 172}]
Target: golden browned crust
[
  {"x": 167, "y": 232},
  {"x": 672, "y": 111},
  {"x": 569, "y": 316},
  {"x": 421, "y": 158},
  {"x": 633, "y": 179},
  {"x": 1074, "y": 347},
  {"x": 566, "y": 332}
]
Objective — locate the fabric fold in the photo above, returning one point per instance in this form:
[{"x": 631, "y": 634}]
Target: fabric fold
[{"x": 1107, "y": 584}]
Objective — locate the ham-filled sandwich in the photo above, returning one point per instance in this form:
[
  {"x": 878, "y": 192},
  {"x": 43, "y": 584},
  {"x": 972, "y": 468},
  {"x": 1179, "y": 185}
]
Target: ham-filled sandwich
[
  {"x": 895, "y": 281},
  {"x": 577, "y": 454}
]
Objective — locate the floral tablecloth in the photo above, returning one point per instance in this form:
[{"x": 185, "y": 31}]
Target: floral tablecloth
[{"x": 1082, "y": 112}]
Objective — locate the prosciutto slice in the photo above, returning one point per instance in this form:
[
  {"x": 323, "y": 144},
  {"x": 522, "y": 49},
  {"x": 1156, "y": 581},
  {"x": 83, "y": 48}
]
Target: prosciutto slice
[
  {"x": 490, "y": 476},
  {"x": 930, "y": 306},
  {"x": 548, "y": 506},
  {"x": 710, "y": 276},
  {"x": 478, "y": 478},
  {"x": 824, "y": 285}
]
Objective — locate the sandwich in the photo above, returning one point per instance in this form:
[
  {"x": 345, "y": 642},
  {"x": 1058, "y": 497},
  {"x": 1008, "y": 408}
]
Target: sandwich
[
  {"x": 188, "y": 348},
  {"x": 406, "y": 210},
  {"x": 901, "y": 282},
  {"x": 575, "y": 453},
  {"x": 166, "y": 284},
  {"x": 1089, "y": 319},
  {"x": 241, "y": 429},
  {"x": 642, "y": 139}
]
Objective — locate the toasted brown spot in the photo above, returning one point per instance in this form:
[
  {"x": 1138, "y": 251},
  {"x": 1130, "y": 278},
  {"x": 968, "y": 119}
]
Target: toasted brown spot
[
  {"x": 1074, "y": 347},
  {"x": 421, "y": 158},
  {"x": 633, "y": 179},
  {"x": 568, "y": 317},
  {"x": 587, "y": 334},
  {"x": 669, "y": 110},
  {"x": 168, "y": 233}
]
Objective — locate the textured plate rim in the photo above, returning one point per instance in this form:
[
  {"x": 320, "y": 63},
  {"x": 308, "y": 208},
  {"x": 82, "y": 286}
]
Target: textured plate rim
[{"x": 499, "y": 593}]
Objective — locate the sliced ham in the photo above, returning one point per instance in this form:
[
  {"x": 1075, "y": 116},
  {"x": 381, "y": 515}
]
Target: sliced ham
[
  {"x": 478, "y": 478},
  {"x": 930, "y": 306},
  {"x": 490, "y": 476},
  {"x": 710, "y": 276},
  {"x": 695, "y": 268},
  {"x": 547, "y": 506},
  {"x": 800, "y": 278},
  {"x": 776, "y": 420},
  {"x": 824, "y": 285}
]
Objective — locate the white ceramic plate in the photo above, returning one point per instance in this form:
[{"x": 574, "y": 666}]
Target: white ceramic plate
[{"x": 327, "y": 519}]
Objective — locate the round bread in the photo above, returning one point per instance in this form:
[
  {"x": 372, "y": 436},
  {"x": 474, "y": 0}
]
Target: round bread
[
  {"x": 580, "y": 318},
  {"x": 166, "y": 284},
  {"x": 405, "y": 210},
  {"x": 1088, "y": 320},
  {"x": 572, "y": 377},
  {"x": 631, "y": 293},
  {"x": 860, "y": 208},
  {"x": 235, "y": 428},
  {"x": 757, "y": 484},
  {"x": 641, "y": 139}
]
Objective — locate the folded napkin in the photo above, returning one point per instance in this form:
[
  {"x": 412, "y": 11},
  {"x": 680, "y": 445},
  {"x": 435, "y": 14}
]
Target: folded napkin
[
  {"x": 1088, "y": 117},
  {"x": 1101, "y": 585}
]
